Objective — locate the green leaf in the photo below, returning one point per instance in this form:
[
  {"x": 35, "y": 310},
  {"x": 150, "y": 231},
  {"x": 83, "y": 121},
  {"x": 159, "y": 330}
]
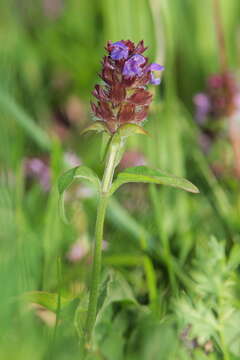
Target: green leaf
[
  {"x": 78, "y": 172},
  {"x": 46, "y": 299},
  {"x": 110, "y": 334},
  {"x": 152, "y": 338},
  {"x": 231, "y": 331},
  {"x": 106, "y": 140},
  {"x": 131, "y": 129},
  {"x": 81, "y": 315},
  {"x": 98, "y": 126},
  {"x": 117, "y": 143},
  {"x": 147, "y": 175},
  {"x": 65, "y": 180},
  {"x": 114, "y": 288}
]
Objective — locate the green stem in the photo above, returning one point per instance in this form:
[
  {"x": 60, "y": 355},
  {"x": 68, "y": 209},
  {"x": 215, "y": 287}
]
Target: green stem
[
  {"x": 58, "y": 310},
  {"x": 97, "y": 257},
  {"x": 111, "y": 164},
  {"x": 97, "y": 260}
]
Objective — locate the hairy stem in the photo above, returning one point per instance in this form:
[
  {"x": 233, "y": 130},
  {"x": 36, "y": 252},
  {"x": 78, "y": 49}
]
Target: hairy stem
[
  {"x": 97, "y": 256},
  {"x": 97, "y": 260}
]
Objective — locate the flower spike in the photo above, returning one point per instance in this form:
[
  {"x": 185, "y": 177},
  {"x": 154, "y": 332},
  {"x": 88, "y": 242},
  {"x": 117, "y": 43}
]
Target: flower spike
[{"x": 124, "y": 98}]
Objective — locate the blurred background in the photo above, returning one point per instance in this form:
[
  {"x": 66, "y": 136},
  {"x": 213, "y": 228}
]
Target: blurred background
[{"x": 171, "y": 259}]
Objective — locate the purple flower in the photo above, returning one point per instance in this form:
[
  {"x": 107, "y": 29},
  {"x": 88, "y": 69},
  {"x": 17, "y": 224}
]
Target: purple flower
[
  {"x": 133, "y": 66},
  {"x": 119, "y": 51},
  {"x": 153, "y": 80},
  {"x": 78, "y": 250},
  {"x": 52, "y": 8},
  {"x": 237, "y": 101},
  {"x": 203, "y": 107},
  {"x": 155, "y": 67},
  {"x": 36, "y": 168},
  {"x": 71, "y": 159}
]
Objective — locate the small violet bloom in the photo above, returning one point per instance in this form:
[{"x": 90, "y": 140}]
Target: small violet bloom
[
  {"x": 36, "y": 168},
  {"x": 133, "y": 66},
  {"x": 119, "y": 51},
  {"x": 155, "y": 67},
  {"x": 153, "y": 80}
]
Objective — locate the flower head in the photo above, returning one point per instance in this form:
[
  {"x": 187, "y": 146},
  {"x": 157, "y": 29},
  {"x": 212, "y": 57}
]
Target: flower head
[
  {"x": 219, "y": 100},
  {"x": 124, "y": 98}
]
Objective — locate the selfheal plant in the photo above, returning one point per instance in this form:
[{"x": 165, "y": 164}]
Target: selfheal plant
[{"x": 122, "y": 105}]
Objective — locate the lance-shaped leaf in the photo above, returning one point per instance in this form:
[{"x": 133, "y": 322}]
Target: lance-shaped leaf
[
  {"x": 98, "y": 126},
  {"x": 131, "y": 129},
  {"x": 76, "y": 173},
  {"x": 144, "y": 174}
]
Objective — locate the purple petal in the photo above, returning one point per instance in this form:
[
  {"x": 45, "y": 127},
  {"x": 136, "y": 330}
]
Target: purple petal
[
  {"x": 132, "y": 67},
  {"x": 119, "y": 51},
  {"x": 119, "y": 43},
  {"x": 138, "y": 59},
  {"x": 153, "y": 80},
  {"x": 156, "y": 67}
]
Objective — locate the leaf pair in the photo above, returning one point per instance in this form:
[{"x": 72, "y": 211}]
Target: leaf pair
[
  {"x": 124, "y": 130},
  {"x": 136, "y": 174}
]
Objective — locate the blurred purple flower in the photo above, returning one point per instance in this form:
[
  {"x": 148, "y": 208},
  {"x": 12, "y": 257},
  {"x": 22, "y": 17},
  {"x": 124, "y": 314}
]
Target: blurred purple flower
[
  {"x": 132, "y": 158},
  {"x": 80, "y": 249},
  {"x": 215, "y": 81},
  {"x": 203, "y": 107},
  {"x": 119, "y": 51},
  {"x": 237, "y": 101},
  {"x": 77, "y": 251},
  {"x": 36, "y": 168},
  {"x": 71, "y": 159},
  {"x": 205, "y": 141},
  {"x": 52, "y": 8}
]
